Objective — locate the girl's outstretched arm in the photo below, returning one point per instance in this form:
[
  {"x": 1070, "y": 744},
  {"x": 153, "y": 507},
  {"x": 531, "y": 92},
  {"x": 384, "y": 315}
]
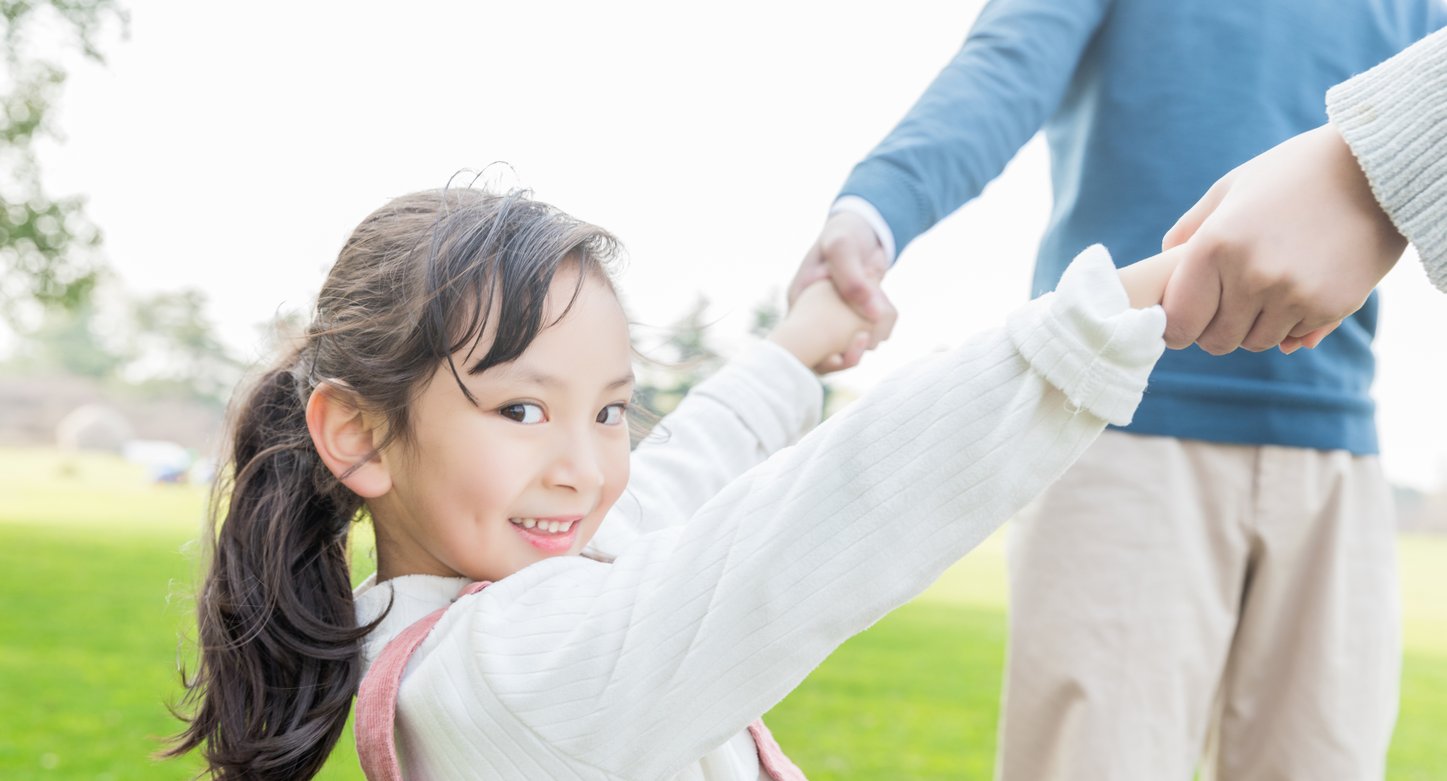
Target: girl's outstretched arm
[
  {"x": 698, "y": 629},
  {"x": 759, "y": 402}
]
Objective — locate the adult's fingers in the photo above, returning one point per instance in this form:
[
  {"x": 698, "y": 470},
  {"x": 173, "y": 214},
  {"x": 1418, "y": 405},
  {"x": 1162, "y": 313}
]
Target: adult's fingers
[
  {"x": 1236, "y": 314},
  {"x": 811, "y": 270},
  {"x": 856, "y": 351},
  {"x": 845, "y": 265},
  {"x": 1272, "y": 327},
  {"x": 1190, "y": 222},
  {"x": 1192, "y": 296},
  {"x": 1314, "y": 338},
  {"x": 847, "y": 359},
  {"x": 881, "y": 328},
  {"x": 1310, "y": 340}
]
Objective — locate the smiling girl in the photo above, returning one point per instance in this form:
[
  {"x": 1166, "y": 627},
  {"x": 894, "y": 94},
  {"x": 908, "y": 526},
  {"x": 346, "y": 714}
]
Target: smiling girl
[{"x": 465, "y": 385}]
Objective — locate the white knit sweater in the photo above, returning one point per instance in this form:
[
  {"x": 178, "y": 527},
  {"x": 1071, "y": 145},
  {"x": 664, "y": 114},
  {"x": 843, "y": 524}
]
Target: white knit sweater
[
  {"x": 718, "y": 604},
  {"x": 1394, "y": 118}
]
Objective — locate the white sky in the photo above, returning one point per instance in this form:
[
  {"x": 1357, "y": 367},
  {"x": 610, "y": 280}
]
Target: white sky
[{"x": 233, "y": 147}]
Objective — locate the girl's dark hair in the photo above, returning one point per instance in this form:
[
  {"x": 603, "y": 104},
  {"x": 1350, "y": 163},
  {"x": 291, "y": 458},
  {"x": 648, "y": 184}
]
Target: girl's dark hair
[{"x": 279, "y": 645}]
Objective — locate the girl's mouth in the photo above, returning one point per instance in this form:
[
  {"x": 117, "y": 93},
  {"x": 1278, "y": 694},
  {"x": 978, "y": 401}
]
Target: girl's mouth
[{"x": 549, "y": 535}]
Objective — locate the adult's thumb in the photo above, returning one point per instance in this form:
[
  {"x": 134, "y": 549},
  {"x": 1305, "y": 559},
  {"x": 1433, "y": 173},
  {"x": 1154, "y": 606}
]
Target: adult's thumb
[{"x": 1190, "y": 222}]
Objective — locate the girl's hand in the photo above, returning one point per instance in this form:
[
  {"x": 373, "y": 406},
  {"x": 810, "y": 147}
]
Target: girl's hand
[
  {"x": 848, "y": 253},
  {"x": 1145, "y": 280},
  {"x": 821, "y": 330}
]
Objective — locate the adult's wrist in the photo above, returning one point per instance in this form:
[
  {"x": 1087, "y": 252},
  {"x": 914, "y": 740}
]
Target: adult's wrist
[
  {"x": 1396, "y": 128},
  {"x": 853, "y": 204}
]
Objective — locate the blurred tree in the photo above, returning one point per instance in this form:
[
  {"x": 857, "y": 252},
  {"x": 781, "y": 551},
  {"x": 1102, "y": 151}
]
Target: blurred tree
[
  {"x": 686, "y": 356},
  {"x": 177, "y": 350},
  {"x": 157, "y": 346},
  {"x": 767, "y": 314},
  {"x": 47, "y": 246},
  {"x": 68, "y": 341},
  {"x": 682, "y": 360}
]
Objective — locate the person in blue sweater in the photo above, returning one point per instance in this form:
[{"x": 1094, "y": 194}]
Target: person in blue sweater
[{"x": 1212, "y": 586}]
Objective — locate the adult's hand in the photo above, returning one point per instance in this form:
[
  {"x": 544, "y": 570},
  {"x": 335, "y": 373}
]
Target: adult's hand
[
  {"x": 849, "y": 255},
  {"x": 1278, "y": 251}
]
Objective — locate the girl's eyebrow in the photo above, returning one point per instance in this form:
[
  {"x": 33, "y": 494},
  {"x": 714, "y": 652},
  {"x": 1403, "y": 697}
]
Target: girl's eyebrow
[{"x": 534, "y": 377}]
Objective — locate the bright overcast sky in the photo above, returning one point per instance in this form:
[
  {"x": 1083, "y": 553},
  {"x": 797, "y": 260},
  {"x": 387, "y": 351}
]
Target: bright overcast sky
[{"x": 232, "y": 148}]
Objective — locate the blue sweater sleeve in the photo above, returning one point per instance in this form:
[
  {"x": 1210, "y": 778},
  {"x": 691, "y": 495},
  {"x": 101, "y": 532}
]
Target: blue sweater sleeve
[{"x": 993, "y": 96}]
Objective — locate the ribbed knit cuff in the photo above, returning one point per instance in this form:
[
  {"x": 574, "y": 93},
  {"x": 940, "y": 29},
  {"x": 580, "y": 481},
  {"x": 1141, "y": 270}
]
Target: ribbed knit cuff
[
  {"x": 1086, "y": 340},
  {"x": 776, "y": 396},
  {"x": 1394, "y": 119}
]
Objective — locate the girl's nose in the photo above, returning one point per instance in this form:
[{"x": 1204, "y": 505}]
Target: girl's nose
[{"x": 577, "y": 464}]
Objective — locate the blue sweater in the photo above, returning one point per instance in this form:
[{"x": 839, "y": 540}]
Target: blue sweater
[{"x": 1145, "y": 103}]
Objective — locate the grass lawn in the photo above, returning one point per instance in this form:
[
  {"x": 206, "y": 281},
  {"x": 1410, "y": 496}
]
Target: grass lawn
[{"x": 96, "y": 570}]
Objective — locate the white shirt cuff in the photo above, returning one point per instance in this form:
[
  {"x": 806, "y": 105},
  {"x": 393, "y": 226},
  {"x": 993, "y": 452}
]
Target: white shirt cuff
[{"x": 856, "y": 205}]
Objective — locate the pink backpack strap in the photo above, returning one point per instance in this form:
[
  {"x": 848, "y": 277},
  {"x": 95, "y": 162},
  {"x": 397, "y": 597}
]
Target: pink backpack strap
[
  {"x": 377, "y": 698},
  {"x": 771, "y": 757}
]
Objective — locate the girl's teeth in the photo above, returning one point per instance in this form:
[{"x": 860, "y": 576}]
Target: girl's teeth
[{"x": 551, "y": 527}]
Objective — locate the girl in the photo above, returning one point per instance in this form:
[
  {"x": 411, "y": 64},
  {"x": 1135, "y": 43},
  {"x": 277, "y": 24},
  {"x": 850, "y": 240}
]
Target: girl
[{"x": 465, "y": 385}]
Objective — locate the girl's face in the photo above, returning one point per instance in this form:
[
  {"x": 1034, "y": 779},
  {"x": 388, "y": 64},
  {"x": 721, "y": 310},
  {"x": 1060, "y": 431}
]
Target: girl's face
[{"x": 529, "y": 472}]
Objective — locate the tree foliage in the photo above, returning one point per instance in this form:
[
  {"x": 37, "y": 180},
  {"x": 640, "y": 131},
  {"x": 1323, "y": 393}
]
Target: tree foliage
[
  {"x": 48, "y": 248},
  {"x": 686, "y": 355},
  {"x": 684, "y": 358},
  {"x": 161, "y": 345},
  {"x": 177, "y": 349},
  {"x": 68, "y": 341}
]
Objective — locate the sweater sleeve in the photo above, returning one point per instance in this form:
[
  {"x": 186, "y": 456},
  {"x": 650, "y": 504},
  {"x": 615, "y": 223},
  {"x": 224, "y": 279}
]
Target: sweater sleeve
[
  {"x": 1006, "y": 80},
  {"x": 759, "y": 402},
  {"x": 1394, "y": 118},
  {"x": 696, "y": 630}
]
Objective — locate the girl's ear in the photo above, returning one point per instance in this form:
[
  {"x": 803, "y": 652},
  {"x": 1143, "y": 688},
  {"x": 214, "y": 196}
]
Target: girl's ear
[{"x": 346, "y": 440}]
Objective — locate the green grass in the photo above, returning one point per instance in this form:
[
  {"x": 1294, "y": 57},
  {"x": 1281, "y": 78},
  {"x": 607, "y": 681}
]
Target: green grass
[{"x": 96, "y": 570}]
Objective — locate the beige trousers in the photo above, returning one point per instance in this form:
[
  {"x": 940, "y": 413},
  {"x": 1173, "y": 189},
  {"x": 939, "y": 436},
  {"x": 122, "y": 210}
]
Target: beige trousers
[{"x": 1178, "y": 605}]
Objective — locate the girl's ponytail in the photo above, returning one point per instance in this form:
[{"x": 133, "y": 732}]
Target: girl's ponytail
[{"x": 279, "y": 646}]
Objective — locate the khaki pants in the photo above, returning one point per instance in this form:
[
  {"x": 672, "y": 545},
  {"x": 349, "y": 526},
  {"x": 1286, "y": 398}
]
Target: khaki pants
[{"x": 1180, "y": 604}]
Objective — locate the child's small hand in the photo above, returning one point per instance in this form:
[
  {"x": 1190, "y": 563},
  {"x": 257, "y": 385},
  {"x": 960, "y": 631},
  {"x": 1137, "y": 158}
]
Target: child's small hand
[
  {"x": 821, "y": 330},
  {"x": 1145, "y": 280}
]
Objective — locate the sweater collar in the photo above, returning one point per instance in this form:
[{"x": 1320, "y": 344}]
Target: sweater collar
[{"x": 412, "y": 597}]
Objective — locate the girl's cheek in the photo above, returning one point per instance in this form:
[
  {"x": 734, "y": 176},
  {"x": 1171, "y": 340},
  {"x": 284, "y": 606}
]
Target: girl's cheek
[{"x": 616, "y": 485}]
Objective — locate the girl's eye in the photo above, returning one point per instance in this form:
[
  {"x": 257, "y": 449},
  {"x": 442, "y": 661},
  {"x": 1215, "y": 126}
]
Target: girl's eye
[
  {"x": 612, "y": 414},
  {"x": 523, "y": 412}
]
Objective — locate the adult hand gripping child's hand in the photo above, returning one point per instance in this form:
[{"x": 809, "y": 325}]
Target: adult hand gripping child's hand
[
  {"x": 848, "y": 254},
  {"x": 1145, "y": 280},
  {"x": 1280, "y": 250},
  {"x": 820, "y": 329}
]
